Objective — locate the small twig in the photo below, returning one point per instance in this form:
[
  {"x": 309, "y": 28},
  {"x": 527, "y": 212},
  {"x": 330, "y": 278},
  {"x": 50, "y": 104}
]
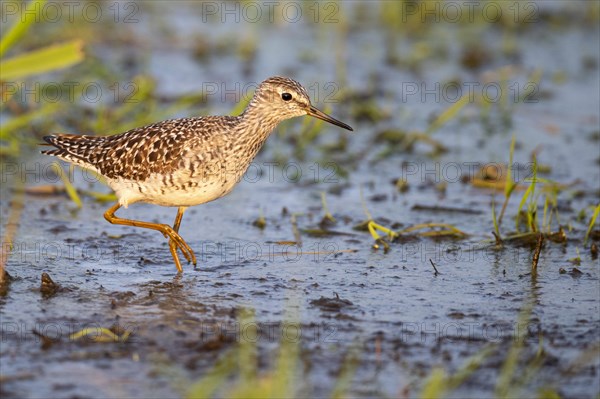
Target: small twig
[
  {"x": 536, "y": 254},
  {"x": 434, "y": 268}
]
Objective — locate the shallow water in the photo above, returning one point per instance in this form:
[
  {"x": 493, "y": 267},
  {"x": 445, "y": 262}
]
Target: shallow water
[{"x": 403, "y": 318}]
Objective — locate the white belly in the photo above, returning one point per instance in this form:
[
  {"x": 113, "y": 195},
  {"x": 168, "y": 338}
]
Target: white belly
[{"x": 178, "y": 191}]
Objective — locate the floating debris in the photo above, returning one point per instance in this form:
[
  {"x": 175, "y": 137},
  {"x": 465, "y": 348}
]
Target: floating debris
[
  {"x": 401, "y": 185},
  {"x": 325, "y": 233},
  {"x": 436, "y": 208},
  {"x": 334, "y": 304},
  {"x": 328, "y": 220},
  {"x": 261, "y": 223},
  {"x": 46, "y": 342},
  {"x": 115, "y": 333},
  {"x": 437, "y": 230},
  {"x": 48, "y": 288},
  {"x": 5, "y": 280},
  {"x": 575, "y": 272}
]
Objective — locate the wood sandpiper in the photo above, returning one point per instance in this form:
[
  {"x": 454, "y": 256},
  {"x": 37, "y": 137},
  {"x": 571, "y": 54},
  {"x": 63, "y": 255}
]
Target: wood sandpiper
[{"x": 187, "y": 161}]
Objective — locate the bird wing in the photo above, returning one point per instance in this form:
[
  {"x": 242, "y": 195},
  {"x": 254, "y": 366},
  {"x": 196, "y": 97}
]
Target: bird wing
[{"x": 136, "y": 154}]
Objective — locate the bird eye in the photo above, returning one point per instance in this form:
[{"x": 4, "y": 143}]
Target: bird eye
[{"x": 286, "y": 96}]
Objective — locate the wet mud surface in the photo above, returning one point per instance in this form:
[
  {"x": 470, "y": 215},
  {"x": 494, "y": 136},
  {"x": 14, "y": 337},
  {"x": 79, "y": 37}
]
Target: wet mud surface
[{"x": 403, "y": 316}]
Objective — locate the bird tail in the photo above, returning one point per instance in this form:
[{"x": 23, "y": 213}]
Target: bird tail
[{"x": 72, "y": 148}]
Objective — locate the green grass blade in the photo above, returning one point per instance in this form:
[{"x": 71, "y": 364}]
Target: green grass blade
[
  {"x": 21, "y": 121},
  {"x": 21, "y": 24},
  {"x": 100, "y": 197},
  {"x": 592, "y": 222},
  {"x": 364, "y": 205},
  {"x": 505, "y": 383},
  {"x": 545, "y": 222},
  {"x": 527, "y": 194},
  {"x": 284, "y": 381},
  {"x": 215, "y": 378},
  {"x": 439, "y": 384},
  {"x": 247, "y": 348},
  {"x": 347, "y": 373},
  {"x": 43, "y": 60},
  {"x": 532, "y": 206},
  {"x": 448, "y": 114},
  {"x": 469, "y": 367},
  {"x": 510, "y": 185},
  {"x": 71, "y": 192},
  {"x": 436, "y": 386},
  {"x": 373, "y": 227},
  {"x": 548, "y": 393},
  {"x": 495, "y": 220},
  {"x": 328, "y": 216},
  {"x": 241, "y": 106},
  {"x": 448, "y": 229}
]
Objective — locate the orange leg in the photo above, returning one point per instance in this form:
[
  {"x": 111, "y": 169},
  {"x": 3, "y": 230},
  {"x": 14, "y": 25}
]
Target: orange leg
[
  {"x": 172, "y": 245},
  {"x": 175, "y": 240}
]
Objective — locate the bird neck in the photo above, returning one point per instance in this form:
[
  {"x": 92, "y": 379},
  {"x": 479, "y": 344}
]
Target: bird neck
[
  {"x": 257, "y": 123},
  {"x": 252, "y": 130}
]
